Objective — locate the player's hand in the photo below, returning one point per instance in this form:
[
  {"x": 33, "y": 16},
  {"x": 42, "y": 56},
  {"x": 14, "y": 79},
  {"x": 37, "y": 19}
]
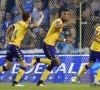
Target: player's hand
[
  {"x": 69, "y": 40},
  {"x": 7, "y": 40},
  {"x": 71, "y": 22},
  {"x": 41, "y": 15}
]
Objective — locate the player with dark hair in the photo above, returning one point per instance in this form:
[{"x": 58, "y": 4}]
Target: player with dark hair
[
  {"x": 94, "y": 55},
  {"x": 50, "y": 40},
  {"x": 13, "y": 48}
]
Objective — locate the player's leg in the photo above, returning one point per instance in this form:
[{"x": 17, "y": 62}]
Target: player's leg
[
  {"x": 97, "y": 78},
  {"x": 20, "y": 73},
  {"x": 45, "y": 75},
  {"x": 22, "y": 62},
  {"x": 47, "y": 71},
  {"x": 8, "y": 58},
  {"x": 7, "y": 67},
  {"x": 50, "y": 52},
  {"x": 83, "y": 70},
  {"x": 42, "y": 60},
  {"x": 92, "y": 59}
]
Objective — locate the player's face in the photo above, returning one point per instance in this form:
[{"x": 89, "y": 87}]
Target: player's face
[
  {"x": 65, "y": 15},
  {"x": 29, "y": 19}
]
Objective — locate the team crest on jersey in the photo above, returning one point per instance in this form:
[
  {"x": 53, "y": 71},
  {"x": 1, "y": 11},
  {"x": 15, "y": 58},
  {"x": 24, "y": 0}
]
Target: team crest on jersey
[
  {"x": 95, "y": 33},
  {"x": 57, "y": 22}
]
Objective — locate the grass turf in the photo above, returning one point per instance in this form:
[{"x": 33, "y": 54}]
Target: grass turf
[{"x": 30, "y": 86}]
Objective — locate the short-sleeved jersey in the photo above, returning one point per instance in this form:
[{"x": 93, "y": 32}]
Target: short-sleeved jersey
[
  {"x": 53, "y": 33},
  {"x": 95, "y": 45},
  {"x": 19, "y": 32}
]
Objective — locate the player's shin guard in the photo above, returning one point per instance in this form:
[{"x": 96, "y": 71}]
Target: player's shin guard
[
  {"x": 20, "y": 74},
  {"x": 3, "y": 69},
  {"x": 84, "y": 69},
  {"x": 45, "y": 74},
  {"x": 97, "y": 78}
]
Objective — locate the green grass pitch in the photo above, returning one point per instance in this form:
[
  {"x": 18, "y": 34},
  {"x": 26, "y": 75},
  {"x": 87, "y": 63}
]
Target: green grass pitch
[{"x": 30, "y": 86}]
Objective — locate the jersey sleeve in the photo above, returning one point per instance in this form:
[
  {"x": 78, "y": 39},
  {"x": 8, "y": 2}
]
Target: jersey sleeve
[
  {"x": 29, "y": 26},
  {"x": 97, "y": 31},
  {"x": 26, "y": 26},
  {"x": 58, "y": 22}
]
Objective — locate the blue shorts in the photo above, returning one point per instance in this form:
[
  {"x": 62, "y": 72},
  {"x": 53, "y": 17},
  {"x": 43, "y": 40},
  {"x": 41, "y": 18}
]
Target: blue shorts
[
  {"x": 13, "y": 51},
  {"x": 94, "y": 56},
  {"x": 49, "y": 51}
]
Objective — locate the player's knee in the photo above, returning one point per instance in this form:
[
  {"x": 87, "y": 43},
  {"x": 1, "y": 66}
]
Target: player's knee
[
  {"x": 6, "y": 68},
  {"x": 49, "y": 68},
  {"x": 23, "y": 64},
  {"x": 58, "y": 63},
  {"x": 23, "y": 68},
  {"x": 90, "y": 65},
  {"x": 87, "y": 66}
]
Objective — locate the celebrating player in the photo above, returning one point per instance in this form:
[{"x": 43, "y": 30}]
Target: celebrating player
[
  {"x": 94, "y": 54},
  {"x": 49, "y": 45},
  {"x": 13, "y": 48}
]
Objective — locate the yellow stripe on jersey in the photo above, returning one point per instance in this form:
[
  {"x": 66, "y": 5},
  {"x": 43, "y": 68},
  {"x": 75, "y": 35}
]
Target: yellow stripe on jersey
[
  {"x": 53, "y": 33},
  {"x": 19, "y": 32},
  {"x": 95, "y": 45}
]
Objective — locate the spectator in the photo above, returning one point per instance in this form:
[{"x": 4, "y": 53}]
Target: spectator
[
  {"x": 53, "y": 11},
  {"x": 95, "y": 6},
  {"x": 9, "y": 5},
  {"x": 28, "y": 6},
  {"x": 60, "y": 5},
  {"x": 19, "y": 5},
  {"x": 17, "y": 14},
  {"x": 5, "y": 25},
  {"x": 45, "y": 3},
  {"x": 40, "y": 35},
  {"x": 87, "y": 24},
  {"x": 1, "y": 43},
  {"x": 2, "y": 10},
  {"x": 51, "y": 4},
  {"x": 77, "y": 9},
  {"x": 38, "y": 6}
]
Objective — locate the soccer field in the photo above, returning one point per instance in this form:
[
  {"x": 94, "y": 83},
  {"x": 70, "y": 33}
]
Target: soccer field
[{"x": 7, "y": 86}]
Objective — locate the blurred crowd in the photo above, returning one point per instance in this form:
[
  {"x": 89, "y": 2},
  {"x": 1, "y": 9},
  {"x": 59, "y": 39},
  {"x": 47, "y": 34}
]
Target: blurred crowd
[{"x": 11, "y": 10}]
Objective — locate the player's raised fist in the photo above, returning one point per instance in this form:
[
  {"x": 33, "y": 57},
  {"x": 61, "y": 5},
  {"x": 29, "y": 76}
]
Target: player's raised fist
[
  {"x": 71, "y": 22},
  {"x": 69, "y": 40},
  {"x": 41, "y": 15}
]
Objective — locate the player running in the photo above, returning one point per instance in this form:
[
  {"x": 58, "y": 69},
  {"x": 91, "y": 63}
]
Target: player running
[
  {"x": 13, "y": 48},
  {"x": 94, "y": 55},
  {"x": 49, "y": 45}
]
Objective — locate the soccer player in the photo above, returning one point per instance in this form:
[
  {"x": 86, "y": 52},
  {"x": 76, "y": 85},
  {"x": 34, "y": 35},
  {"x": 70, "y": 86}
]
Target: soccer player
[
  {"x": 49, "y": 45},
  {"x": 94, "y": 54},
  {"x": 13, "y": 48}
]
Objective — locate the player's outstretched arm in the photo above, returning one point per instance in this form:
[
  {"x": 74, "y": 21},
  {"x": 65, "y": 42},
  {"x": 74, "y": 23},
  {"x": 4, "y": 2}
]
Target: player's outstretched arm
[
  {"x": 69, "y": 40},
  {"x": 38, "y": 22},
  {"x": 10, "y": 28},
  {"x": 58, "y": 26}
]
